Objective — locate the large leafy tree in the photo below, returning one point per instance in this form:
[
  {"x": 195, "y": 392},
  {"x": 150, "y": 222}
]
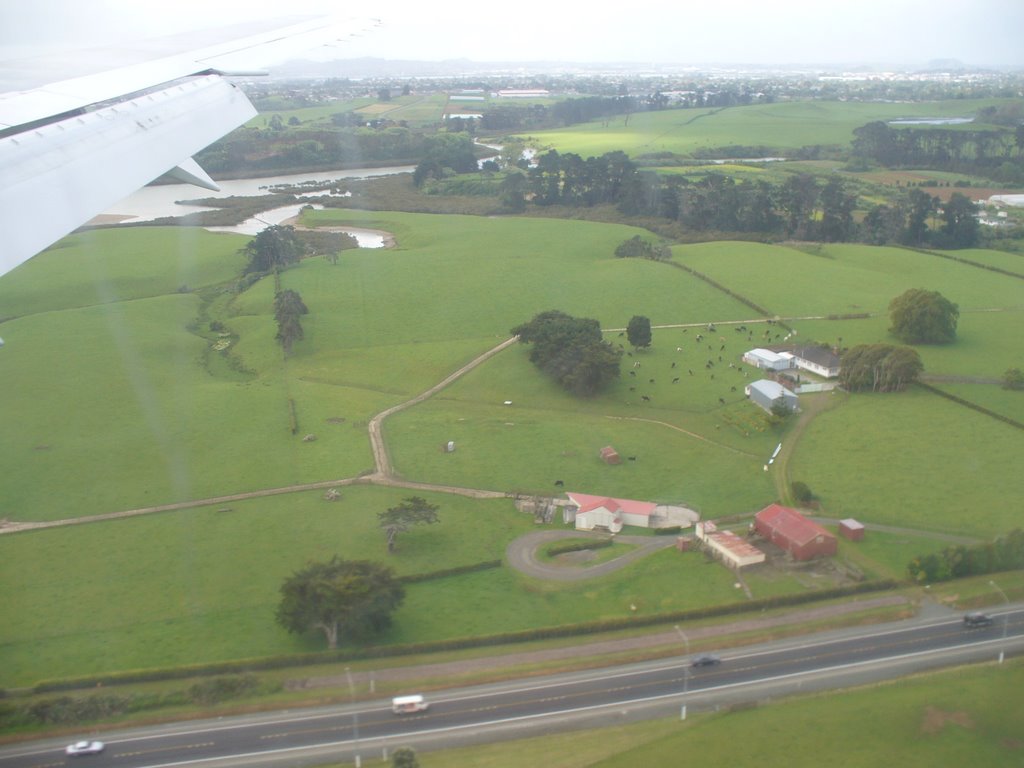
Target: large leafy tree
[
  {"x": 923, "y": 317},
  {"x": 273, "y": 248},
  {"x": 341, "y": 598},
  {"x": 412, "y": 511},
  {"x": 638, "y": 332},
  {"x": 571, "y": 350}
]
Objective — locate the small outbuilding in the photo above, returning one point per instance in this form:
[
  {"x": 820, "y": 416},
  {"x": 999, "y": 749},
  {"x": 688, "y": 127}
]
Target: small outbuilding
[
  {"x": 801, "y": 537},
  {"x": 851, "y": 529},
  {"x": 610, "y": 456},
  {"x": 767, "y": 360},
  {"x": 734, "y": 551},
  {"x": 588, "y": 512},
  {"x": 769, "y": 394}
]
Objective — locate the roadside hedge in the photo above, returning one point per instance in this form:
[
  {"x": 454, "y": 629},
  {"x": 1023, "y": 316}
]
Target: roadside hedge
[{"x": 505, "y": 638}]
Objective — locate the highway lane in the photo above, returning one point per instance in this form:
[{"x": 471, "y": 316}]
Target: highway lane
[{"x": 336, "y": 733}]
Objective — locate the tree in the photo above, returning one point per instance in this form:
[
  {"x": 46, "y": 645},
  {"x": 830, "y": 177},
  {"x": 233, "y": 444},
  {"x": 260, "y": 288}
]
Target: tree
[
  {"x": 342, "y": 598},
  {"x": 404, "y": 757},
  {"x": 639, "y": 331},
  {"x": 412, "y": 511},
  {"x": 923, "y": 317},
  {"x": 960, "y": 228},
  {"x": 1013, "y": 379},
  {"x": 801, "y": 492},
  {"x": 288, "y": 307},
  {"x": 273, "y": 248}
]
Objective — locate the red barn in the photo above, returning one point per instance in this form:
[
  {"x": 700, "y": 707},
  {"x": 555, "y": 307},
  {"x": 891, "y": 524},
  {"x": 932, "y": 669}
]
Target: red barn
[{"x": 787, "y": 528}]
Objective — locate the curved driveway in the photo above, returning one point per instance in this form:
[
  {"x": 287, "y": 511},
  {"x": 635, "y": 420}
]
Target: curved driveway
[{"x": 521, "y": 554}]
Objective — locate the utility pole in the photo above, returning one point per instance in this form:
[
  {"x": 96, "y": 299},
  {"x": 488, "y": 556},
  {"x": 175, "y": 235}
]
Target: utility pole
[{"x": 686, "y": 672}]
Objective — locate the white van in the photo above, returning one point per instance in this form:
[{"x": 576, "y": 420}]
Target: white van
[{"x": 403, "y": 705}]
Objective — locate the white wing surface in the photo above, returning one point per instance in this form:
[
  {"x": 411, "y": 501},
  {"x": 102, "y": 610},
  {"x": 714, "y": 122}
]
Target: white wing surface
[{"x": 72, "y": 148}]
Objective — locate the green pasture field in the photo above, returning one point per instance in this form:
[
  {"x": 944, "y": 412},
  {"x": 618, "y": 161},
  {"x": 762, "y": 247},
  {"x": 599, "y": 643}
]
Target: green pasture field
[
  {"x": 1011, "y": 262},
  {"x": 835, "y": 279},
  {"x": 309, "y": 116},
  {"x": 913, "y": 460},
  {"x": 202, "y": 585},
  {"x": 784, "y": 125},
  {"x": 414, "y": 109},
  {"x": 986, "y": 344},
  {"x": 1005, "y": 402}
]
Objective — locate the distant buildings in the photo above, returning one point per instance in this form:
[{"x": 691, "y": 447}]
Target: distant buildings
[{"x": 590, "y": 512}]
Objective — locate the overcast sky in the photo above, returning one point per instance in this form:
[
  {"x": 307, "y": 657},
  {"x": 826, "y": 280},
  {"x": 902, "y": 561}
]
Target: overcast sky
[{"x": 908, "y": 32}]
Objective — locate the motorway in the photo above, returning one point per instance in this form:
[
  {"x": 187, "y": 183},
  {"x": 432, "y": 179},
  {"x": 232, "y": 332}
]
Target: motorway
[{"x": 543, "y": 705}]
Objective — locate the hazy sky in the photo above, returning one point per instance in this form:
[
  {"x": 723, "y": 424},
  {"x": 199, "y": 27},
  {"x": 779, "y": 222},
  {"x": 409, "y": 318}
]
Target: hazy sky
[{"x": 983, "y": 32}]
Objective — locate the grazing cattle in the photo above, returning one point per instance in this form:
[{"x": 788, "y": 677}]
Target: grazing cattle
[
  {"x": 632, "y": 373},
  {"x": 721, "y": 400},
  {"x": 622, "y": 334},
  {"x": 732, "y": 389},
  {"x": 721, "y": 348},
  {"x": 712, "y": 375},
  {"x": 630, "y": 354},
  {"x": 652, "y": 381},
  {"x": 673, "y": 365},
  {"x": 645, "y": 398},
  {"x": 633, "y": 389},
  {"x": 559, "y": 483},
  {"x": 675, "y": 380},
  {"x": 719, "y": 358},
  {"x": 679, "y": 349},
  {"x": 631, "y": 458},
  {"x": 689, "y": 371},
  {"x": 636, "y": 363}
]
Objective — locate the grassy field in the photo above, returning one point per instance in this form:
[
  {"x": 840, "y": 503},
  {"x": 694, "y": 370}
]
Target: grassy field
[
  {"x": 785, "y": 125},
  {"x": 114, "y": 399}
]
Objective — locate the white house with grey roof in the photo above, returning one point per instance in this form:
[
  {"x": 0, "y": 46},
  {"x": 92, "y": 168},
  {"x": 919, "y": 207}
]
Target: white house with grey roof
[
  {"x": 819, "y": 360},
  {"x": 769, "y": 394}
]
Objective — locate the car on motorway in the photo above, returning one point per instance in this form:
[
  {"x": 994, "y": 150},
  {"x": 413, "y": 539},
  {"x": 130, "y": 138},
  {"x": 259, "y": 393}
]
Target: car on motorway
[
  {"x": 81, "y": 748},
  {"x": 705, "y": 660},
  {"x": 977, "y": 620}
]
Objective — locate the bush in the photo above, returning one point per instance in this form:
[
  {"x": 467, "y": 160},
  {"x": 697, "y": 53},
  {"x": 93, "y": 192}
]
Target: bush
[{"x": 801, "y": 492}]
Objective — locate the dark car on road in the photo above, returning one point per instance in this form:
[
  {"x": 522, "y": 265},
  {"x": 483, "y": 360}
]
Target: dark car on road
[
  {"x": 977, "y": 620},
  {"x": 705, "y": 660}
]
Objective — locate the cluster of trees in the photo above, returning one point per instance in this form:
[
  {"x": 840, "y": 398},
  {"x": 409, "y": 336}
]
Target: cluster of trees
[
  {"x": 571, "y": 350},
  {"x": 995, "y": 153},
  {"x": 443, "y": 154},
  {"x": 879, "y": 368},
  {"x": 1004, "y": 553},
  {"x": 272, "y": 249},
  {"x": 288, "y": 309},
  {"x": 923, "y": 317},
  {"x": 351, "y": 142},
  {"x": 801, "y": 207},
  {"x": 638, "y": 248}
]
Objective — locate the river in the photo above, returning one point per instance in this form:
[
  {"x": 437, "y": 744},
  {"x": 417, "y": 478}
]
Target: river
[{"x": 155, "y": 202}]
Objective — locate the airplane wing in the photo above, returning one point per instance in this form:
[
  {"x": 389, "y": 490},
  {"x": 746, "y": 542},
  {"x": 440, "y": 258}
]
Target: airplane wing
[{"x": 70, "y": 149}]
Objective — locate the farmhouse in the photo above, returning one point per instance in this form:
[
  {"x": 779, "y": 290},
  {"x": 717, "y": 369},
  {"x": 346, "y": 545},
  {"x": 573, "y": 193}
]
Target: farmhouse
[
  {"x": 726, "y": 546},
  {"x": 819, "y": 360},
  {"x": 803, "y": 539},
  {"x": 590, "y": 512},
  {"x": 769, "y": 394},
  {"x": 767, "y": 360}
]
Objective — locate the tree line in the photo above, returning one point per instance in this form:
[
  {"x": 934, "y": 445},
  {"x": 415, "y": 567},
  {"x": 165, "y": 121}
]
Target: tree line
[
  {"x": 1004, "y": 553},
  {"x": 801, "y": 207},
  {"x": 997, "y": 154}
]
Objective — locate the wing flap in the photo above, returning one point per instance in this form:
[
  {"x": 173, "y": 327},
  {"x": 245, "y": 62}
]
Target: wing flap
[{"x": 58, "y": 175}]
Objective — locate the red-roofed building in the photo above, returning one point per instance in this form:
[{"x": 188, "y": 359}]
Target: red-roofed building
[
  {"x": 605, "y": 512},
  {"x": 802, "y": 538}
]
